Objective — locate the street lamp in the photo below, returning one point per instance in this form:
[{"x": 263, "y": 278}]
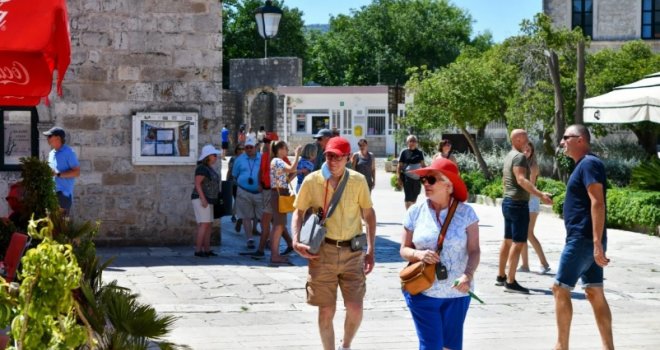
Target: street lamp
[{"x": 268, "y": 21}]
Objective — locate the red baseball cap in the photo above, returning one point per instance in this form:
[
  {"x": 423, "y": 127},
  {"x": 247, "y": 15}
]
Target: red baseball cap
[
  {"x": 447, "y": 168},
  {"x": 338, "y": 145}
]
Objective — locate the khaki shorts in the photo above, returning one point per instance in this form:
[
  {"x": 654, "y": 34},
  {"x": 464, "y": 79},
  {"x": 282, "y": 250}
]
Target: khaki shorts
[
  {"x": 248, "y": 205},
  {"x": 268, "y": 201},
  {"x": 336, "y": 267},
  {"x": 202, "y": 215}
]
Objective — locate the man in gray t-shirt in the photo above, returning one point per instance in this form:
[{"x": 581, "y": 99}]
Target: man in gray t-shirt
[{"x": 515, "y": 208}]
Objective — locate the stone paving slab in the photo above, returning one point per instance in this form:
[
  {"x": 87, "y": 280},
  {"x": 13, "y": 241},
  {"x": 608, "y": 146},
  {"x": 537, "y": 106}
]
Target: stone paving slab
[{"x": 234, "y": 302}]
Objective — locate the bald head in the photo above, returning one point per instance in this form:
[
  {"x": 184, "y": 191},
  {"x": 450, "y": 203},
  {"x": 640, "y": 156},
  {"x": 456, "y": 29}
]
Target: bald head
[{"x": 519, "y": 139}]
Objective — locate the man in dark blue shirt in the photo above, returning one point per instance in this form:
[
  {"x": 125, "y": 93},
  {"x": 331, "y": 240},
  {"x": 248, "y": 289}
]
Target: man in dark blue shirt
[{"x": 583, "y": 256}]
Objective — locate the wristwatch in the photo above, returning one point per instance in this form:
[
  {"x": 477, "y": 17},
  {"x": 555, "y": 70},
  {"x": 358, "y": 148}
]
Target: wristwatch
[{"x": 58, "y": 174}]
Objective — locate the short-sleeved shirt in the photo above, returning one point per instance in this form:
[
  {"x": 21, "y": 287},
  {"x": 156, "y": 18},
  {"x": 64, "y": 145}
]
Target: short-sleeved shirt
[
  {"x": 577, "y": 205},
  {"x": 224, "y": 135},
  {"x": 246, "y": 168},
  {"x": 421, "y": 219},
  {"x": 62, "y": 160},
  {"x": 278, "y": 176},
  {"x": 346, "y": 220},
  {"x": 511, "y": 187},
  {"x": 412, "y": 158},
  {"x": 304, "y": 163},
  {"x": 210, "y": 184}
]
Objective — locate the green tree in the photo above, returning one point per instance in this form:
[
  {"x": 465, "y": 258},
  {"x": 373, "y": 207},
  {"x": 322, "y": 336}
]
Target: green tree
[
  {"x": 470, "y": 92},
  {"x": 241, "y": 39},
  {"x": 607, "y": 69},
  {"x": 378, "y": 42}
]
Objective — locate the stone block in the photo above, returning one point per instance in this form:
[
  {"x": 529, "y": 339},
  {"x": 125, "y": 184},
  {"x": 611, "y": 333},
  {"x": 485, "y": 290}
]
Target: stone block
[
  {"x": 141, "y": 92},
  {"x": 128, "y": 73},
  {"x": 104, "y": 92},
  {"x": 119, "y": 179},
  {"x": 101, "y": 164},
  {"x": 97, "y": 40},
  {"x": 120, "y": 40},
  {"x": 122, "y": 166}
]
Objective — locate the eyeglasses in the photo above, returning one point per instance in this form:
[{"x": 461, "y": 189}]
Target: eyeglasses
[
  {"x": 566, "y": 137},
  {"x": 430, "y": 179},
  {"x": 333, "y": 157},
  {"x": 249, "y": 147}
]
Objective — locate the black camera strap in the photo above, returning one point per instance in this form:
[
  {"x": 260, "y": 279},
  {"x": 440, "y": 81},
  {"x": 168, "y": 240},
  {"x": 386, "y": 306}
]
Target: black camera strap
[{"x": 445, "y": 225}]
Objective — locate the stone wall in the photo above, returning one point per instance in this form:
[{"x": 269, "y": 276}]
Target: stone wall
[{"x": 137, "y": 56}]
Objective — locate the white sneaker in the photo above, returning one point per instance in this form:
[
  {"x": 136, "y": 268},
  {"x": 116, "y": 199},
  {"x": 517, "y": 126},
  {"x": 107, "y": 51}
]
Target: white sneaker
[
  {"x": 523, "y": 269},
  {"x": 544, "y": 269},
  {"x": 343, "y": 348}
]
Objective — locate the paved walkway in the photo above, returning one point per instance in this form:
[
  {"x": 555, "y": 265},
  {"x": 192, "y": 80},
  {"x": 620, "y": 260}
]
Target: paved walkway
[{"x": 234, "y": 302}]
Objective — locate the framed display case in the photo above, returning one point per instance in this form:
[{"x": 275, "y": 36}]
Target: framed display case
[
  {"x": 164, "y": 138},
  {"x": 19, "y": 137}
]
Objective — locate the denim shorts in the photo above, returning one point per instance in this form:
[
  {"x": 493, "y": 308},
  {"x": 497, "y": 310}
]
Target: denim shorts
[
  {"x": 534, "y": 204},
  {"x": 577, "y": 262},
  {"x": 516, "y": 219}
]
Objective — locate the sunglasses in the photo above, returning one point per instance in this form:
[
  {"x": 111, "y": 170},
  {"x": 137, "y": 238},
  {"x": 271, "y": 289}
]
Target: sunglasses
[
  {"x": 566, "y": 137},
  {"x": 249, "y": 147},
  {"x": 430, "y": 179},
  {"x": 333, "y": 157}
]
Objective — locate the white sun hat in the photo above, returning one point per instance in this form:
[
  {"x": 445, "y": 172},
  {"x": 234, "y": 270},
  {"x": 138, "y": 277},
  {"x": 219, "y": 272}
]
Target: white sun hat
[{"x": 207, "y": 151}]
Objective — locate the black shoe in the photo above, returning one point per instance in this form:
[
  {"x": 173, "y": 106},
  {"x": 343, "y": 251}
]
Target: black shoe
[
  {"x": 255, "y": 254},
  {"x": 500, "y": 280},
  {"x": 211, "y": 253},
  {"x": 201, "y": 255},
  {"x": 515, "y": 288},
  {"x": 238, "y": 225},
  {"x": 233, "y": 218},
  {"x": 286, "y": 251}
]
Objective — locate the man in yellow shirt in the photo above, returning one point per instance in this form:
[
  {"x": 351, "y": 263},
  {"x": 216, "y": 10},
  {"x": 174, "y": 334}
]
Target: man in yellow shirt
[{"x": 336, "y": 263}]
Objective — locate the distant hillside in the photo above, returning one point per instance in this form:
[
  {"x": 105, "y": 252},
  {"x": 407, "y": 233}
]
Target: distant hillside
[{"x": 320, "y": 27}]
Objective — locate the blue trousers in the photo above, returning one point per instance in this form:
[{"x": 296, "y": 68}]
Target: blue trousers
[{"x": 438, "y": 321}]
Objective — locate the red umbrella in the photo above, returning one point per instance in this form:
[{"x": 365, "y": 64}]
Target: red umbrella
[{"x": 34, "y": 42}]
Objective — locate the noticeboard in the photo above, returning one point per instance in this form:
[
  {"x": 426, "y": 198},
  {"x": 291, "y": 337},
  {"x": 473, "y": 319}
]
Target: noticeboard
[{"x": 164, "y": 138}]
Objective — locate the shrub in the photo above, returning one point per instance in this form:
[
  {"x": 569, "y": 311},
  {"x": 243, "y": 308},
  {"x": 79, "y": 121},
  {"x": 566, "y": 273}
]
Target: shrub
[
  {"x": 558, "y": 204},
  {"x": 494, "y": 189},
  {"x": 394, "y": 182},
  {"x": 619, "y": 170},
  {"x": 475, "y": 181},
  {"x": 645, "y": 176},
  {"x": 551, "y": 186},
  {"x": 630, "y": 209}
]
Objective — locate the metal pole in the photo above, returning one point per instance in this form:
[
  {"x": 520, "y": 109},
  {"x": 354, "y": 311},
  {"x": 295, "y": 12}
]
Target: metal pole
[{"x": 265, "y": 48}]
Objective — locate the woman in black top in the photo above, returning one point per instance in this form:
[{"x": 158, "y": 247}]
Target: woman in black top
[
  {"x": 204, "y": 195},
  {"x": 411, "y": 158}
]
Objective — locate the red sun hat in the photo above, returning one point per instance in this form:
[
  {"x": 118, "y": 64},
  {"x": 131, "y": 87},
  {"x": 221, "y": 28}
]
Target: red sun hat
[
  {"x": 447, "y": 168},
  {"x": 338, "y": 145}
]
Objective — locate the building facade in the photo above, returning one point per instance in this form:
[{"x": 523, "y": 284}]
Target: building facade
[
  {"x": 131, "y": 57},
  {"x": 609, "y": 23}
]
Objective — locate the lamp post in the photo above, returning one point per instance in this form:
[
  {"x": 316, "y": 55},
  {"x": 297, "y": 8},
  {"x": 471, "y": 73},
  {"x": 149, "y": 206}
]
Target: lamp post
[{"x": 268, "y": 22}]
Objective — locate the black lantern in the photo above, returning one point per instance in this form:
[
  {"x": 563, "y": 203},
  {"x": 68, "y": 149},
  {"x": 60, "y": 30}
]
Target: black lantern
[{"x": 268, "y": 22}]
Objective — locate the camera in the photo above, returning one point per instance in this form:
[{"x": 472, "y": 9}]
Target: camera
[
  {"x": 441, "y": 271},
  {"x": 250, "y": 181}
]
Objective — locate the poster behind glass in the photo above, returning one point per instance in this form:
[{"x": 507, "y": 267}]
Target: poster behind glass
[
  {"x": 17, "y": 136},
  {"x": 165, "y": 138}
]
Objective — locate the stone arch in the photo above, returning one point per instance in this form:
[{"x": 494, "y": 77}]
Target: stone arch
[{"x": 260, "y": 107}]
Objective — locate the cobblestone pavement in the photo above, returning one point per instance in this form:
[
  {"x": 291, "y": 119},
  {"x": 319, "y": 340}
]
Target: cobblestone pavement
[{"x": 235, "y": 302}]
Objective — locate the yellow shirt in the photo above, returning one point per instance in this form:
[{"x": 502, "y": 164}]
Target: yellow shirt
[{"x": 346, "y": 220}]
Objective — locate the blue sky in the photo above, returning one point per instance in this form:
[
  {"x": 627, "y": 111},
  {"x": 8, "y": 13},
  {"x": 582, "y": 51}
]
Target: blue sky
[{"x": 501, "y": 17}]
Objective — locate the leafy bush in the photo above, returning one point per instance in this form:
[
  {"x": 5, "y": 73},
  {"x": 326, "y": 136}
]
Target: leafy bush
[
  {"x": 619, "y": 170},
  {"x": 475, "y": 181},
  {"x": 394, "y": 182},
  {"x": 494, "y": 189},
  {"x": 551, "y": 186},
  {"x": 627, "y": 209},
  {"x": 645, "y": 176}
]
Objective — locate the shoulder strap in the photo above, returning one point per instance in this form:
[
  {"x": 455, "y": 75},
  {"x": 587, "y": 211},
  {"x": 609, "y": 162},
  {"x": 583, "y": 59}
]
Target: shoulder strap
[
  {"x": 445, "y": 225},
  {"x": 335, "y": 197}
]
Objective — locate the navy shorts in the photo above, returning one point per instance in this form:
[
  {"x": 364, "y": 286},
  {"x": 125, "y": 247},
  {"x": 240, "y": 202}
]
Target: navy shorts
[
  {"x": 516, "y": 219},
  {"x": 411, "y": 189},
  {"x": 438, "y": 321},
  {"x": 577, "y": 262}
]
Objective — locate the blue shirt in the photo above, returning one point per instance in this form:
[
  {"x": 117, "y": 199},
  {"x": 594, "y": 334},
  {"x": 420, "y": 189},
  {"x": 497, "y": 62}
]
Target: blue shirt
[
  {"x": 224, "y": 135},
  {"x": 245, "y": 169},
  {"x": 577, "y": 205},
  {"x": 62, "y": 160},
  {"x": 421, "y": 219},
  {"x": 303, "y": 163}
]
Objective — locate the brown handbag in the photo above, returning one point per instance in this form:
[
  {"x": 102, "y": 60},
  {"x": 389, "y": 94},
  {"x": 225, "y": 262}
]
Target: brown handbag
[{"x": 419, "y": 276}]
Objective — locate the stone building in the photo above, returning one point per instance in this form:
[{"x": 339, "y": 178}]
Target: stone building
[
  {"x": 132, "y": 57},
  {"x": 609, "y": 23}
]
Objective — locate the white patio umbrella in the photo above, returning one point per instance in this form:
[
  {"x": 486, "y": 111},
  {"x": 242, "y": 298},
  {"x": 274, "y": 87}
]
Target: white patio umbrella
[{"x": 630, "y": 103}]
